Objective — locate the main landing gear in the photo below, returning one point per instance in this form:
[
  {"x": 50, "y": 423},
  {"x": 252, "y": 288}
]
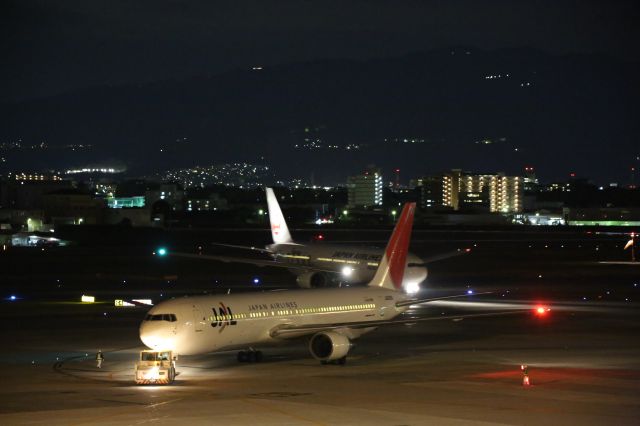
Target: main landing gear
[{"x": 250, "y": 356}]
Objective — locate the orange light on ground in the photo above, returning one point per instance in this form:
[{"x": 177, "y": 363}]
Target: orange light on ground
[{"x": 525, "y": 375}]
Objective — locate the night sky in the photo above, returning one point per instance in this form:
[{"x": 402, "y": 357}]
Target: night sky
[
  {"x": 57, "y": 47},
  {"x": 52, "y": 46}
]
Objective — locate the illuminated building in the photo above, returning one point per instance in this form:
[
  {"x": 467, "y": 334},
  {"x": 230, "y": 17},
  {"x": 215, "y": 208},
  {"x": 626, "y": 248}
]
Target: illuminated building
[
  {"x": 365, "y": 190},
  {"x": 602, "y": 216},
  {"x": 170, "y": 193},
  {"x": 212, "y": 202},
  {"x": 460, "y": 190},
  {"x": 506, "y": 193},
  {"x": 431, "y": 190},
  {"x": 530, "y": 180},
  {"x": 125, "y": 202}
]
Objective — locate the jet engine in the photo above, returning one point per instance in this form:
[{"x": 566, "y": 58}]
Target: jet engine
[
  {"x": 312, "y": 280},
  {"x": 329, "y": 346}
]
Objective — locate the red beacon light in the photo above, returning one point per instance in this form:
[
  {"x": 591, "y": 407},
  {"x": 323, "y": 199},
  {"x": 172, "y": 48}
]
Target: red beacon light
[
  {"x": 541, "y": 310},
  {"x": 319, "y": 237}
]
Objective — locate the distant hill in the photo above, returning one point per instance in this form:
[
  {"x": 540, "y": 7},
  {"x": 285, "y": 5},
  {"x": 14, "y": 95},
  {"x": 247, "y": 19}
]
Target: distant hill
[{"x": 461, "y": 107}]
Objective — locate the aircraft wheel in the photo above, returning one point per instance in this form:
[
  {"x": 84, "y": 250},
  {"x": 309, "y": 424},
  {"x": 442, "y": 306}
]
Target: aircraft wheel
[
  {"x": 251, "y": 356},
  {"x": 342, "y": 361},
  {"x": 242, "y": 356},
  {"x": 258, "y": 355}
]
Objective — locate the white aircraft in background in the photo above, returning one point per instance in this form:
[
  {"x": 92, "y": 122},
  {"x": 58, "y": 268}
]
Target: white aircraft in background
[
  {"x": 321, "y": 264},
  {"x": 332, "y": 317}
]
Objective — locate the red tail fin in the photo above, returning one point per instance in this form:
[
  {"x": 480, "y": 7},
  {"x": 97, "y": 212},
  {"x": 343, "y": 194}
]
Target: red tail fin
[{"x": 392, "y": 265}]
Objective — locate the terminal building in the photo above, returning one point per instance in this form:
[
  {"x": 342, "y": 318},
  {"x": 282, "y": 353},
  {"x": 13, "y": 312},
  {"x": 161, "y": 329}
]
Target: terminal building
[
  {"x": 365, "y": 190},
  {"x": 463, "y": 191}
]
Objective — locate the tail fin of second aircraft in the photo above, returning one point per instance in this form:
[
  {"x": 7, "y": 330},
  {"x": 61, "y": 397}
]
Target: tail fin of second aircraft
[
  {"x": 392, "y": 265},
  {"x": 279, "y": 230}
]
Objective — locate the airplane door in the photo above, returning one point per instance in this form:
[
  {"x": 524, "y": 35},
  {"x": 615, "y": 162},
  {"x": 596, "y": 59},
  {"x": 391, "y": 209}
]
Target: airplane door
[{"x": 199, "y": 319}]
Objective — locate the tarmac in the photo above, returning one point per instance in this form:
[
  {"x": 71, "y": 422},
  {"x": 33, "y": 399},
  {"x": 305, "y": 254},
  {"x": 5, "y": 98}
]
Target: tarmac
[{"x": 583, "y": 361}]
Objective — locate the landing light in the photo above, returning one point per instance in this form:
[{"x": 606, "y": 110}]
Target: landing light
[
  {"x": 412, "y": 288},
  {"x": 347, "y": 271},
  {"x": 469, "y": 291}
]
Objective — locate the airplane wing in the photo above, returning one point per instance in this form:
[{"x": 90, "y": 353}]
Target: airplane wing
[
  {"x": 287, "y": 331},
  {"x": 435, "y": 299},
  {"x": 251, "y": 248},
  {"x": 256, "y": 262},
  {"x": 442, "y": 256}
]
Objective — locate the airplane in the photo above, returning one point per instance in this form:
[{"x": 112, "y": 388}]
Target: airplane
[
  {"x": 332, "y": 317},
  {"x": 323, "y": 265},
  {"x": 630, "y": 244}
]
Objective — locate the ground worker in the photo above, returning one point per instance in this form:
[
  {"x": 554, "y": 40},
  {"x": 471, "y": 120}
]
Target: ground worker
[{"x": 99, "y": 358}]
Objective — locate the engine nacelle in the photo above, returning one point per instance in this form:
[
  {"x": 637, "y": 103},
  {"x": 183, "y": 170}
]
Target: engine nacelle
[
  {"x": 312, "y": 280},
  {"x": 329, "y": 346}
]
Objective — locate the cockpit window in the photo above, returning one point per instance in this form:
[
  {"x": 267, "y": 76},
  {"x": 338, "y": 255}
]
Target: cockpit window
[{"x": 161, "y": 317}]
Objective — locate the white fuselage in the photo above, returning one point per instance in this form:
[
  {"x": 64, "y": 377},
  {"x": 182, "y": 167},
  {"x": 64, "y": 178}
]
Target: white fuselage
[
  {"x": 203, "y": 324},
  {"x": 354, "y": 264}
]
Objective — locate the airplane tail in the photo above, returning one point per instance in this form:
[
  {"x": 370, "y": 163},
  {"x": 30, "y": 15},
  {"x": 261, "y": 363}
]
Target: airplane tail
[
  {"x": 279, "y": 230},
  {"x": 391, "y": 268}
]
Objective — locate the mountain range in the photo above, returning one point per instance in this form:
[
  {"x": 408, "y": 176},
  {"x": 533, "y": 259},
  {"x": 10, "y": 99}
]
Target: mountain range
[{"x": 461, "y": 107}]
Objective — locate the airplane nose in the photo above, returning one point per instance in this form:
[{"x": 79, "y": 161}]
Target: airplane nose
[{"x": 158, "y": 335}]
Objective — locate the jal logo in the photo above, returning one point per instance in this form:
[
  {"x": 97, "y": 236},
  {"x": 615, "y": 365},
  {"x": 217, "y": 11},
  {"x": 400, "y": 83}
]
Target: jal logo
[
  {"x": 223, "y": 317},
  {"x": 275, "y": 228}
]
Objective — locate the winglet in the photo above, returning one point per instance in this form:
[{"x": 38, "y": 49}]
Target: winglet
[
  {"x": 391, "y": 268},
  {"x": 279, "y": 230}
]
